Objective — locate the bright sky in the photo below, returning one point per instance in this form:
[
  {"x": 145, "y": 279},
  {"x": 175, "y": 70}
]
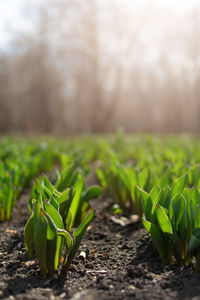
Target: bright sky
[{"x": 16, "y": 14}]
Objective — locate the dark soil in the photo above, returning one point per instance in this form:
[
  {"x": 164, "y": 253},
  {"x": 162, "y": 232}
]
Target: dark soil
[{"x": 121, "y": 264}]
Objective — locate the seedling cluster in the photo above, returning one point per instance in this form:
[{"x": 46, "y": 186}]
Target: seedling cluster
[{"x": 157, "y": 179}]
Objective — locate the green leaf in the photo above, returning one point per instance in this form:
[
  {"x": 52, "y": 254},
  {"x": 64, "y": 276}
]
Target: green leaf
[
  {"x": 91, "y": 193},
  {"x": 101, "y": 177},
  {"x": 40, "y": 242},
  {"x": 178, "y": 206},
  {"x": 158, "y": 240},
  {"x": 165, "y": 179},
  {"x": 196, "y": 233},
  {"x": 64, "y": 196},
  {"x": 59, "y": 247},
  {"x": 193, "y": 197},
  {"x": 65, "y": 205},
  {"x": 52, "y": 248},
  {"x": 67, "y": 237},
  {"x": 132, "y": 178},
  {"x": 178, "y": 186},
  {"x": 76, "y": 199},
  {"x": 46, "y": 182},
  {"x": 193, "y": 175},
  {"x": 197, "y": 216},
  {"x": 67, "y": 177},
  {"x": 57, "y": 243},
  {"x": 54, "y": 203},
  {"x": 68, "y": 220},
  {"x": 155, "y": 195},
  {"x": 51, "y": 227},
  {"x": 146, "y": 203},
  {"x": 47, "y": 192},
  {"x": 54, "y": 214},
  {"x": 51, "y": 252},
  {"x": 147, "y": 225},
  {"x": 77, "y": 237},
  {"x": 116, "y": 209},
  {"x": 163, "y": 220},
  {"x": 194, "y": 244},
  {"x": 165, "y": 197},
  {"x": 143, "y": 178},
  {"x": 28, "y": 236},
  {"x": 154, "y": 192},
  {"x": 37, "y": 205}
]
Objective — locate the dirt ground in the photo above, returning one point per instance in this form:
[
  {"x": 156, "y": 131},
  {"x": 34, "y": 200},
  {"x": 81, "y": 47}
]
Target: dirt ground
[{"x": 120, "y": 264}]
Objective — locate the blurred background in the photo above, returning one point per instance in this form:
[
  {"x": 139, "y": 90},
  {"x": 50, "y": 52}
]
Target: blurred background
[{"x": 89, "y": 66}]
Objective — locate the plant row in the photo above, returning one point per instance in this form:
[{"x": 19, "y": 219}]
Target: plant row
[
  {"x": 167, "y": 205},
  {"x": 19, "y": 164},
  {"x": 157, "y": 179}
]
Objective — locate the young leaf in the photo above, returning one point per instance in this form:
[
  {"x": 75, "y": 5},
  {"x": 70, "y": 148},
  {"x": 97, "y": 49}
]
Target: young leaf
[
  {"x": 146, "y": 203},
  {"x": 197, "y": 216},
  {"x": 28, "y": 236},
  {"x": 178, "y": 186},
  {"x": 40, "y": 242},
  {"x": 158, "y": 240},
  {"x": 91, "y": 193},
  {"x": 163, "y": 220},
  {"x": 194, "y": 244},
  {"x": 54, "y": 214},
  {"x": 178, "y": 206},
  {"x": 78, "y": 235},
  {"x": 76, "y": 199}
]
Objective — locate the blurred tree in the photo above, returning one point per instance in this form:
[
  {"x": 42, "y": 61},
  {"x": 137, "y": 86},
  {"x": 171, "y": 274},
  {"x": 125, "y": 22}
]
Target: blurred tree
[{"x": 90, "y": 66}]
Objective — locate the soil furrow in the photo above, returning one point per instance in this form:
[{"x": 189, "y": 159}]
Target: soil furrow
[{"x": 121, "y": 263}]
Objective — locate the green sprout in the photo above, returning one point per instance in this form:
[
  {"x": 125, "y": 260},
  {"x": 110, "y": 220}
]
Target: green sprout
[
  {"x": 167, "y": 221},
  {"x": 54, "y": 214}
]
